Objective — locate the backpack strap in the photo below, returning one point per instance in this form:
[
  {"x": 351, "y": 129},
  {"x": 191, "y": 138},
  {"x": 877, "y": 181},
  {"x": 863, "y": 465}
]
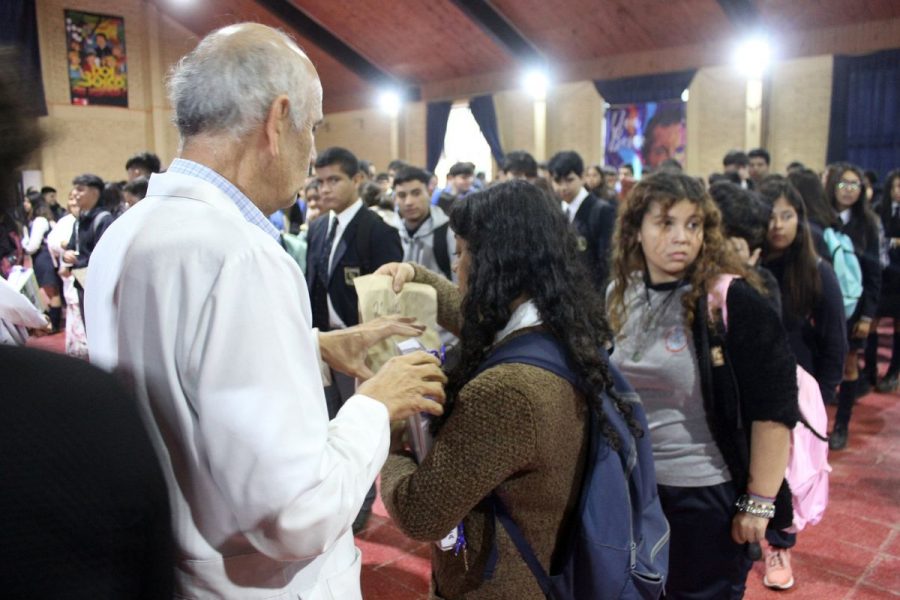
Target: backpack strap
[
  {"x": 540, "y": 349},
  {"x": 441, "y": 252},
  {"x": 97, "y": 219}
]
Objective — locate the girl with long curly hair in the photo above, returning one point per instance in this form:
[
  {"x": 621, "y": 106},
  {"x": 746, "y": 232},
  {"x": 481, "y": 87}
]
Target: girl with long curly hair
[
  {"x": 515, "y": 429},
  {"x": 715, "y": 375}
]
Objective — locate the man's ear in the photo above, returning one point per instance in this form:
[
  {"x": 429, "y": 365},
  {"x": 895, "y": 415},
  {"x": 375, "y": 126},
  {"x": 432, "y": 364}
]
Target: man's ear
[
  {"x": 358, "y": 178},
  {"x": 277, "y": 121}
]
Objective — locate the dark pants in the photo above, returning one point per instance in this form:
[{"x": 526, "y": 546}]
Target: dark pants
[
  {"x": 341, "y": 388},
  {"x": 781, "y": 539},
  {"x": 704, "y": 562}
]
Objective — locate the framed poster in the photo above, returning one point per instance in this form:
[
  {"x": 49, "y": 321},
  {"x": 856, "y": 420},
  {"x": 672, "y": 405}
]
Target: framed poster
[
  {"x": 644, "y": 135},
  {"x": 98, "y": 64}
]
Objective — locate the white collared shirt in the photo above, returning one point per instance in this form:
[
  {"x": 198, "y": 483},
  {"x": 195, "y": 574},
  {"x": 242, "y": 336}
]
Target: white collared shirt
[
  {"x": 571, "y": 209},
  {"x": 525, "y": 315},
  {"x": 344, "y": 218}
]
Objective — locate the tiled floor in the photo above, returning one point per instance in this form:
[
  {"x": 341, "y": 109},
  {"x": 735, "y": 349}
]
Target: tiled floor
[{"x": 854, "y": 553}]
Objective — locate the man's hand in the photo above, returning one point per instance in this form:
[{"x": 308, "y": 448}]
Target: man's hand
[
  {"x": 861, "y": 330},
  {"x": 345, "y": 350},
  {"x": 403, "y": 383},
  {"x": 69, "y": 257},
  {"x": 401, "y": 273}
]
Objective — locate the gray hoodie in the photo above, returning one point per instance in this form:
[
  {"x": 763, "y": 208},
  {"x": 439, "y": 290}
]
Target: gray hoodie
[{"x": 419, "y": 247}]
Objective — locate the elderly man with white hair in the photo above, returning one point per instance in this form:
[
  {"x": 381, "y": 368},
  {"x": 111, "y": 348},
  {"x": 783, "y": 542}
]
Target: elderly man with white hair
[{"x": 191, "y": 295}]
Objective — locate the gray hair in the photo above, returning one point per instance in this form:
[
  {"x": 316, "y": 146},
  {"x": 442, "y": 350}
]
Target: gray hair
[{"x": 226, "y": 86}]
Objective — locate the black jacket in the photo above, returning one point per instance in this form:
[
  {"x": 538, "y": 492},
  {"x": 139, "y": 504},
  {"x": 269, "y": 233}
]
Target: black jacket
[
  {"x": 818, "y": 339},
  {"x": 594, "y": 224},
  {"x": 87, "y": 232},
  {"x": 83, "y": 504},
  {"x": 366, "y": 244},
  {"x": 757, "y": 381},
  {"x": 867, "y": 243}
]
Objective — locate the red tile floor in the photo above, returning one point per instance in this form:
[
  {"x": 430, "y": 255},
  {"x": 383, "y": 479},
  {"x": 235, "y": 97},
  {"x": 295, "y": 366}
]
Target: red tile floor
[{"x": 854, "y": 553}]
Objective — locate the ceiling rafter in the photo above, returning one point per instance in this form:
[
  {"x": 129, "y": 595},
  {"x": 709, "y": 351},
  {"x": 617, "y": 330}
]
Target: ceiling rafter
[
  {"x": 309, "y": 28},
  {"x": 743, "y": 14},
  {"x": 501, "y": 30}
]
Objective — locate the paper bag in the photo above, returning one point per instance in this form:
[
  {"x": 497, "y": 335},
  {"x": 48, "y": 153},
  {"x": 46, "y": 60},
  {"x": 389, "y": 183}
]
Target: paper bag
[{"x": 377, "y": 299}]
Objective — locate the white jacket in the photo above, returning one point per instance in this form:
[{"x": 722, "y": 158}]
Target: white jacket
[{"x": 211, "y": 318}]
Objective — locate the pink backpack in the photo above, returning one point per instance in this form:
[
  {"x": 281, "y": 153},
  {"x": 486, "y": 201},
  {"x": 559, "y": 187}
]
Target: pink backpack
[{"x": 808, "y": 468}]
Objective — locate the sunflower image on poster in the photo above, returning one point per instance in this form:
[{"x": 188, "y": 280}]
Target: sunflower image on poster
[{"x": 98, "y": 66}]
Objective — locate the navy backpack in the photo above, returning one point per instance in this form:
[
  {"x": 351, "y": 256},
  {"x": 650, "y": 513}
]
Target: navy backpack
[{"x": 617, "y": 543}]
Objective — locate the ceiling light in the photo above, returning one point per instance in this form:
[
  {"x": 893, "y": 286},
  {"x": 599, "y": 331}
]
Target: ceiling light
[
  {"x": 536, "y": 82},
  {"x": 753, "y": 56},
  {"x": 390, "y": 101}
]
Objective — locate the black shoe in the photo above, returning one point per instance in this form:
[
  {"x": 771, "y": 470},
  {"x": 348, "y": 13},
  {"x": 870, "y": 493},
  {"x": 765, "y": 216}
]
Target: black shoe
[
  {"x": 864, "y": 386},
  {"x": 888, "y": 384},
  {"x": 359, "y": 523},
  {"x": 838, "y": 438}
]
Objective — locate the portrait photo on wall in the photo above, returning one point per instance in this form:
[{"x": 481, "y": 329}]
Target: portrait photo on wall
[
  {"x": 98, "y": 67},
  {"x": 645, "y": 135}
]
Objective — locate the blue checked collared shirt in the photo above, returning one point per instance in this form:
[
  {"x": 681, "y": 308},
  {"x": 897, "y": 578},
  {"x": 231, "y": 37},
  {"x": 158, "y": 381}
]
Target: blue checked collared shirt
[{"x": 247, "y": 208}]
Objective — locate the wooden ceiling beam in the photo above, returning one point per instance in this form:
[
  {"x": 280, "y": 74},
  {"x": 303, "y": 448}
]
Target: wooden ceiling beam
[
  {"x": 306, "y": 26},
  {"x": 499, "y": 28},
  {"x": 742, "y": 13}
]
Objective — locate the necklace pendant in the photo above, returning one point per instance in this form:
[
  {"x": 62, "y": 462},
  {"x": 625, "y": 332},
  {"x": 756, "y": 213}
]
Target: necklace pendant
[{"x": 636, "y": 356}]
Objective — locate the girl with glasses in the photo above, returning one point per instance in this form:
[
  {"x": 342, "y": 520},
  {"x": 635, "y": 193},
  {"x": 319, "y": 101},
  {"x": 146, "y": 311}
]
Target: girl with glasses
[{"x": 845, "y": 189}]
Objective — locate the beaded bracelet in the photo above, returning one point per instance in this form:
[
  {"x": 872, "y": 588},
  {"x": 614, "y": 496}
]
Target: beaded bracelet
[{"x": 748, "y": 505}]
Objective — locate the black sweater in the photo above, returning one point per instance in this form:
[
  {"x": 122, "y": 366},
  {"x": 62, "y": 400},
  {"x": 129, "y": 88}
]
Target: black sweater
[
  {"x": 818, "y": 339},
  {"x": 866, "y": 242},
  {"x": 756, "y": 382}
]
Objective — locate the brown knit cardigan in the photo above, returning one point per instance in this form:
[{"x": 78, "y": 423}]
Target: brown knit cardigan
[{"x": 516, "y": 429}]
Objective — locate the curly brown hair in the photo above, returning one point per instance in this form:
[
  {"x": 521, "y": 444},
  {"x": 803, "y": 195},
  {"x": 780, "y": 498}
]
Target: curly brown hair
[{"x": 715, "y": 257}]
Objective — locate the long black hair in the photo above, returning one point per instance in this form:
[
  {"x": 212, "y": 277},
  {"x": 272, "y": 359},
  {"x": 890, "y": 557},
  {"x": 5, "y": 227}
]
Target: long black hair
[
  {"x": 819, "y": 210},
  {"x": 885, "y": 207},
  {"x": 802, "y": 285},
  {"x": 520, "y": 245}
]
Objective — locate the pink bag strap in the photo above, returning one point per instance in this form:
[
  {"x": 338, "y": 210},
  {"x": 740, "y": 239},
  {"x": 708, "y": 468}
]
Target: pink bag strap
[{"x": 717, "y": 296}]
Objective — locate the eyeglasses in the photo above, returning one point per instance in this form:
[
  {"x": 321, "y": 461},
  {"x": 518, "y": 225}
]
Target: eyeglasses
[{"x": 848, "y": 185}]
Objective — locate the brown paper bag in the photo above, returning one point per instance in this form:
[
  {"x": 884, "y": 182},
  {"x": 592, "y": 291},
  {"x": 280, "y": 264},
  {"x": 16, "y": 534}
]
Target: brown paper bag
[{"x": 377, "y": 299}]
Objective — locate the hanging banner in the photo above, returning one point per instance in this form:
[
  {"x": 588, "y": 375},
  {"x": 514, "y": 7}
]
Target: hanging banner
[
  {"x": 98, "y": 73},
  {"x": 645, "y": 135}
]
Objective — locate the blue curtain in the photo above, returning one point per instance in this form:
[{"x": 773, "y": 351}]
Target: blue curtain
[
  {"x": 865, "y": 111},
  {"x": 646, "y": 88},
  {"x": 18, "y": 27},
  {"x": 436, "y": 117},
  {"x": 482, "y": 108}
]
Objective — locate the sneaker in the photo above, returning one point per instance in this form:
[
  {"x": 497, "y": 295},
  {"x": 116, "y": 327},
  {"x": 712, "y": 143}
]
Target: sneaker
[
  {"x": 888, "y": 384},
  {"x": 779, "y": 575}
]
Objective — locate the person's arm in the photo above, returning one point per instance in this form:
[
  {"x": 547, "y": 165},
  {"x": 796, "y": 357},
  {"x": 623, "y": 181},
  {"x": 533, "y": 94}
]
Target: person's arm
[
  {"x": 36, "y": 233},
  {"x": 770, "y": 444},
  {"x": 766, "y": 374},
  {"x": 294, "y": 481},
  {"x": 490, "y": 435},
  {"x": 870, "y": 263},
  {"x": 449, "y": 300},
  {"x": 830, "y": 328},
  {"x": 17, "y": 310}
]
